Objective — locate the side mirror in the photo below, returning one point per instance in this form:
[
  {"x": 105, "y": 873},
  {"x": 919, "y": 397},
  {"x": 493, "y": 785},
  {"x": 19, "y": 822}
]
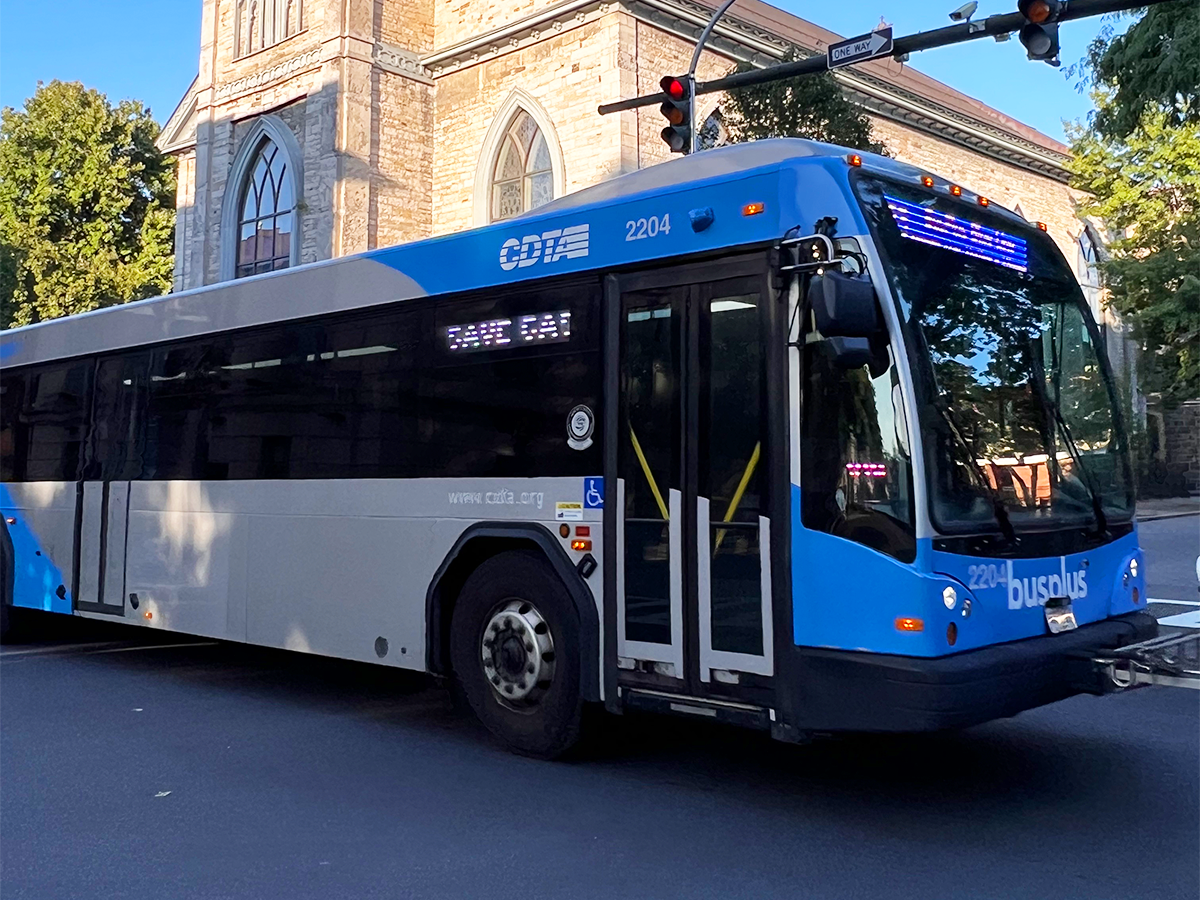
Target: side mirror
[
  {"x": 844, "y": 307},
  {"x": 856, "y": 352}
]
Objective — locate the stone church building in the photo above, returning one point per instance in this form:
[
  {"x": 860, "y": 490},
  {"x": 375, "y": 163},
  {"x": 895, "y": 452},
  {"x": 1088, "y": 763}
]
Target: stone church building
[{"x": 318, "y": 128}]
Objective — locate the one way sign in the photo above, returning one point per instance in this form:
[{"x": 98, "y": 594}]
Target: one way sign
[{"x": 861, "y": 48}]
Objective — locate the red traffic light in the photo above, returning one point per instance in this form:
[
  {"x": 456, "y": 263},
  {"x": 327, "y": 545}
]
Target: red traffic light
[
  {"x": 1037, "y": 11},
  {"x": 673, "y": 87}
]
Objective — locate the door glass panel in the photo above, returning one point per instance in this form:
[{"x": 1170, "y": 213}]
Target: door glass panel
[
  {"x": 730, "y": 461},
  {"x": 649, "y": 455}
]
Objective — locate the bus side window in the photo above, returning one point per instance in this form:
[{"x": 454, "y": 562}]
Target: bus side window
[
  {"x": 45, "y": 412},
  {"x": 116, "y": 438},
  {"x": 855, "y": 469}
]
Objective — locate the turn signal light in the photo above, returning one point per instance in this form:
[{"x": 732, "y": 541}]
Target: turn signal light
[
  {"x": 951, "y": 634},
  {"x": 910, "y": 624},
  {"x": 752, "y": 209},
  {"x": 1136, "y": 597},
  {"x": 581, "y": 545}
]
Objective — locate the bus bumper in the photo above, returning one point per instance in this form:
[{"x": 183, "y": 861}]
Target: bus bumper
[{"x": 854, "y": 691}]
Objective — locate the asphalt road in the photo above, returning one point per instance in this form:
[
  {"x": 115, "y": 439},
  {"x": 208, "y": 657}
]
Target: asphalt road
[{"x": 222, "y": 771}]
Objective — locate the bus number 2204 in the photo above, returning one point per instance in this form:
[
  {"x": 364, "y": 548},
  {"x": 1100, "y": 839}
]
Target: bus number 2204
[{"x": 649, "y": 227}]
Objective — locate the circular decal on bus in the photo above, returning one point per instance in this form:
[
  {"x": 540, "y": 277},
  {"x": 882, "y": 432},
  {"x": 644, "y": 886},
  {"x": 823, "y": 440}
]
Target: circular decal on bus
[{"x": 581, "y": 422}]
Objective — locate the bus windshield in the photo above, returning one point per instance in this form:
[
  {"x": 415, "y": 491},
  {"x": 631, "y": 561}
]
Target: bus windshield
[{"x": 1017, "y": 409}]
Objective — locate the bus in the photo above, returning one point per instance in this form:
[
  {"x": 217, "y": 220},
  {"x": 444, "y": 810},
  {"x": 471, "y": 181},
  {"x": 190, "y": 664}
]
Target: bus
[{"x": 777, "y": 434}]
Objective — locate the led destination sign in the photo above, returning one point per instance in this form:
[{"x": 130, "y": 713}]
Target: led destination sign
[
  {"x": 948, "y": 232},
  {"x": 509, "y": 332}
]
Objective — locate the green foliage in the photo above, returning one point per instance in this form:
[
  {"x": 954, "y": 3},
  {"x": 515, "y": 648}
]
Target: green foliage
[
  {"x": 1154, "y": 65},
  {"x": 1146, "y": 188},
  {"x": 86, "y": 205},
  {"x": 809, "y": 106}
]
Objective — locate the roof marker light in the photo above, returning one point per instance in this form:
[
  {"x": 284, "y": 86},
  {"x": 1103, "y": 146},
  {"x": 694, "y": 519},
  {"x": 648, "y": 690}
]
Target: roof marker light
[
  {"x": 927, "y": 180},
  {"x": 955, "y": 190},
  {"x": 854, "y": 159},
  {"x": 1041, "y": 226},
  {"x": 753, "y": 209},
  {"x": 984, "y": 201}
]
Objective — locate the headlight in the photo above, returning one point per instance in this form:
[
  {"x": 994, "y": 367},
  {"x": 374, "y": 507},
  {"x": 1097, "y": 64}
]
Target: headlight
[
  {"x": 949, "y": 597},
  {"x": 1133, "y": 567}
]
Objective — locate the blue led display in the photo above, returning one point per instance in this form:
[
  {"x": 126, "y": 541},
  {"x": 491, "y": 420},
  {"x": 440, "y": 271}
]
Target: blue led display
[{"x": 949, "y": 232}]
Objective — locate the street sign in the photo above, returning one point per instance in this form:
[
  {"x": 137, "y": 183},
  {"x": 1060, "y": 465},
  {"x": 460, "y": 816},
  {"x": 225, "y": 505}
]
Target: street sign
[{"x": 861, "y": 48}]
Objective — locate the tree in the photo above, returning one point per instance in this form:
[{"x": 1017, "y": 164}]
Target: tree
[
  {"x": 809, "y": 106},
  {"x": 86, "y": 205},
  {"x": 1155, "y": 64},
  {"x": 1138, "y": 158}
]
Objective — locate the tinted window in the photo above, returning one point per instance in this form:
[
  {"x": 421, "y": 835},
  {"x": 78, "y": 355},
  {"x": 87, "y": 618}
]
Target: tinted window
[{"x": 43, "y": 422}]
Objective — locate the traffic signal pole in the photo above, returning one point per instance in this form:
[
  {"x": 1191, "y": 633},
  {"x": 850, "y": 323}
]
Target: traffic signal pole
[{"x": 992, "y": 26}]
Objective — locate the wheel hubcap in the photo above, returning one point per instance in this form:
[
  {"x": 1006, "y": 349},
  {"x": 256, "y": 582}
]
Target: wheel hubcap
[{"x": 517, "y": 653}]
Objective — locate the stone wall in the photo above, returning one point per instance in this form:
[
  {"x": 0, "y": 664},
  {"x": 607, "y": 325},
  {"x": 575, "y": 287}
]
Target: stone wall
[
  {"x": 563, "y": 75},
  {"x": 456, "y": 21},
  {"x": 1182, "y": 433}
]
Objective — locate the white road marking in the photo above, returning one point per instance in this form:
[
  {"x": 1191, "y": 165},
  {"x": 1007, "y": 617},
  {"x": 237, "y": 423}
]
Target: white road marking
[
  {"x": 1183, "y": 620},
  {"x": 64, "y": 648},
  {"x": 154, "y": 647},
  {"x": 1175, "y": 602}
]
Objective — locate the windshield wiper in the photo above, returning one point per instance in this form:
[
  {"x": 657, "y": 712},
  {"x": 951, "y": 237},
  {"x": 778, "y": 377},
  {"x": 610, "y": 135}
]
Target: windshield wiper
[
  {"x": 1087, "y": 477},
  {"x": 993, "y": 495}
]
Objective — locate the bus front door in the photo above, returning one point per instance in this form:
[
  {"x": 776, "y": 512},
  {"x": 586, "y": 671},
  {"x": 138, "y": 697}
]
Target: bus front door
[{"x": 693, "y": 572}]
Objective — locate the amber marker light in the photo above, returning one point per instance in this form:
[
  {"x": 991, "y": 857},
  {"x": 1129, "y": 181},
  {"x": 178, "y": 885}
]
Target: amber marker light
[
  {"x": 753, "y": 209},
  {"x": 927, "y": 180},
  {"x": 581, "y": 545},
  {"x": 149, "y": 615},
  {"x": 984, "y": 201},
  {"x": 955, "y": 190},
  {"x": 854, "y": 159},
  {"x": 1041, "y": 226},
  {"x": 910, "y": 624},
  {"x": 564, "y": 530}
]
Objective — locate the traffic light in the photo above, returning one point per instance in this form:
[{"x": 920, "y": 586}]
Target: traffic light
[
  {"x": 1039, "y": 34},
  {"x": 677, "y": 110}
]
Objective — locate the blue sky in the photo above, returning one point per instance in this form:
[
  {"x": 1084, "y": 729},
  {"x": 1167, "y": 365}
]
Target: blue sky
[{"x": 147, "y": 49}]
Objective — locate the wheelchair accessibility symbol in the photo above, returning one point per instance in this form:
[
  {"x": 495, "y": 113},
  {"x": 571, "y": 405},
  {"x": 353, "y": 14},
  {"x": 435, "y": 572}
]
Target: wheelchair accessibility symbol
[{"x": 593, "y": 493}]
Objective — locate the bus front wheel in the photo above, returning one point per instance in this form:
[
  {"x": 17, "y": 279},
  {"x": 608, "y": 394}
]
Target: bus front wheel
[{"x": 514, "y": 645}]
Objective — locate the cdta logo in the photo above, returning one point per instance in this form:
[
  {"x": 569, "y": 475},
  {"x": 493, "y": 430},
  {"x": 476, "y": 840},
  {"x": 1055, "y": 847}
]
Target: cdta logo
[
  {"x": 1036, "y": 590},
  {"x": 549, "y": 246}
]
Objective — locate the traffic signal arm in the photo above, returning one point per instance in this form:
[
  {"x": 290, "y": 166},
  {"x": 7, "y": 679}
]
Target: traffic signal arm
[{"x": 902, "y": 46}]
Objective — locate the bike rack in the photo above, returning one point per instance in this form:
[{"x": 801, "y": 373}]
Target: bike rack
[{"x": 1171, "y": 660}]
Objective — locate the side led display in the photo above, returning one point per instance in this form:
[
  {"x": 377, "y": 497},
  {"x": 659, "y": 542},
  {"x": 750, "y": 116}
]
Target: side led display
[
  {"x": 533, "y": 329},
  {"x": 939, "y": 229}
]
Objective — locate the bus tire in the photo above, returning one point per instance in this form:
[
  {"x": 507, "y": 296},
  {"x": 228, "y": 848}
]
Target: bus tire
[{"x": 514, "y": 647}]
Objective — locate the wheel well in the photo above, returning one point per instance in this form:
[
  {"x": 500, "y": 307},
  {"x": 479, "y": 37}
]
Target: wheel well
[
  {"x": 445, "y": 591},
  {"x": 482, "y": 542}
]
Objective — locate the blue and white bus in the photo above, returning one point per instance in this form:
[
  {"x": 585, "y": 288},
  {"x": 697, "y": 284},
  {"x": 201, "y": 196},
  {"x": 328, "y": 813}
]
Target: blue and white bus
[{"x": 776, "y": 434}]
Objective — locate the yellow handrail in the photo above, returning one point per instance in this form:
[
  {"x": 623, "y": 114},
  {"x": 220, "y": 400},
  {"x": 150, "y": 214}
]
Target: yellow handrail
[
  {"x": 637, "y": 448},
  {"x": 737, "y": 496}
]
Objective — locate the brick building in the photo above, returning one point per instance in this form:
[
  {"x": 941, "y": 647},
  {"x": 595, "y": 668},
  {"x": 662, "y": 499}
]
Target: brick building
[{"x": 318, "y": 128}]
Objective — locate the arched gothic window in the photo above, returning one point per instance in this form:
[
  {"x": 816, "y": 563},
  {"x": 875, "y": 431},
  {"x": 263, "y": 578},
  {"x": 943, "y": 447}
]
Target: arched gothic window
[
  {"x": 259, "y": 24},
  {"x": 267, "y": 213},
  {"x": 522, "y": 178},
  {"x": 1088, "y": 270}
]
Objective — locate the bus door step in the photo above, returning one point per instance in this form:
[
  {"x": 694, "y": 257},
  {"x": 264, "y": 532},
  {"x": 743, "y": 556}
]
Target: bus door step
[
  {"x": 743, "y": 714},
  {"x": 1171, "y": 660}
]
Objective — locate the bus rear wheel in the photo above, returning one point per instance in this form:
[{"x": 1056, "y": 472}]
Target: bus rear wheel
[{"x": 514, "y": 645}]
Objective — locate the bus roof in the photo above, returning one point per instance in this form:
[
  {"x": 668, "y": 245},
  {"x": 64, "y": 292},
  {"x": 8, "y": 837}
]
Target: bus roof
[{"x": 645, "y": 215}]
